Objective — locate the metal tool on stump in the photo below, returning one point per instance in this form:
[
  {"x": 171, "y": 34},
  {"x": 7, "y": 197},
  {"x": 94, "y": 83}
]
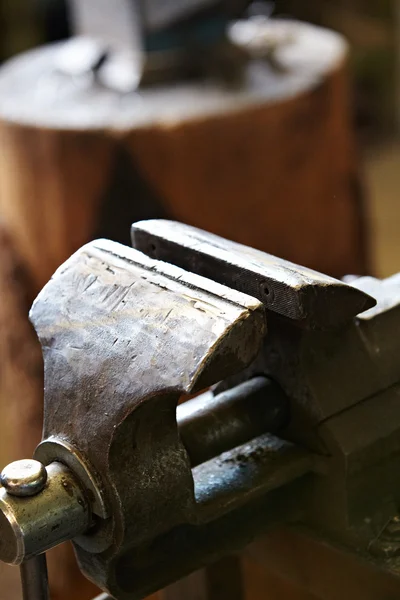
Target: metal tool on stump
[{"x": 127, "y": 43}]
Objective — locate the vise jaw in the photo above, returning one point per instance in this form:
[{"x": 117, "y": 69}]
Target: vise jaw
[{"x": 300, "y": 423}]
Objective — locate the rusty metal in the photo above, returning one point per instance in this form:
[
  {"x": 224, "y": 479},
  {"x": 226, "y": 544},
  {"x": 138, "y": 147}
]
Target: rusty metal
[
  {"x": 240, "y": 475},
  {"x": 213, "y": 423},
  {"x": 171, "y": 489}
]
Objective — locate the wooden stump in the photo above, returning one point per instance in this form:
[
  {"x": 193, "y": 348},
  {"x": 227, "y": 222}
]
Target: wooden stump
[{"x": 270, "y": 164}]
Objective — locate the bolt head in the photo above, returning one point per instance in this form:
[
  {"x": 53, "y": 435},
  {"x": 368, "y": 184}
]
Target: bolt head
[{"x": 24, "y": 478}]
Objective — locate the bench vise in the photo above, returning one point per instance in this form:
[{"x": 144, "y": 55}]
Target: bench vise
[{"x": 293, "y": 413}]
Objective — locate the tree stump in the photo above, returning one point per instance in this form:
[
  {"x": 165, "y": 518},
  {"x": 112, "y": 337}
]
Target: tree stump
[{"x": 271, "y": 164}]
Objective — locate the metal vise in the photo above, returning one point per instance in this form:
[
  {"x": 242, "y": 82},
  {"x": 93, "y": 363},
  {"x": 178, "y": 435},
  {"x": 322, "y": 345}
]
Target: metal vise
[{"x": 296, "y": 417}]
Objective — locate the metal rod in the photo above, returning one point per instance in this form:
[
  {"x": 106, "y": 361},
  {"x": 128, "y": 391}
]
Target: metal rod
[
  {"x": 34, "y": 579},
  {"x": 211, "y": 424}
]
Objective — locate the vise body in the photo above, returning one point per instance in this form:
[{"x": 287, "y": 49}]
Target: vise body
[{"x": 293, "y": 413}]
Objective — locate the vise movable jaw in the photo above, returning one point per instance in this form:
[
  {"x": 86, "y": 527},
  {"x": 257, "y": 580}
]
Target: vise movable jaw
[{"x": 300, "y": 424}]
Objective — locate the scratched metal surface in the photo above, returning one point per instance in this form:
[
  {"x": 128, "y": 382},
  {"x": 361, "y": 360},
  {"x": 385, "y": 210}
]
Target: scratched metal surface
[
  {"x": 123, "y": 337},
  {"x": 314, "y": 300}
]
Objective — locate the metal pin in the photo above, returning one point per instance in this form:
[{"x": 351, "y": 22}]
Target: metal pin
[
  {"x": 34, "y": 579},
  {"x": 24, "y": 478}
]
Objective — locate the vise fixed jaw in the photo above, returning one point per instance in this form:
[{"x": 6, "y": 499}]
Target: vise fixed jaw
[{"x": 150, "y": 492}]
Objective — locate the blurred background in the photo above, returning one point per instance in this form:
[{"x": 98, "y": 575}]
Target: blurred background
[
  {"x": 372, "y": 30},
  {"x": 298, "y": 156}
]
